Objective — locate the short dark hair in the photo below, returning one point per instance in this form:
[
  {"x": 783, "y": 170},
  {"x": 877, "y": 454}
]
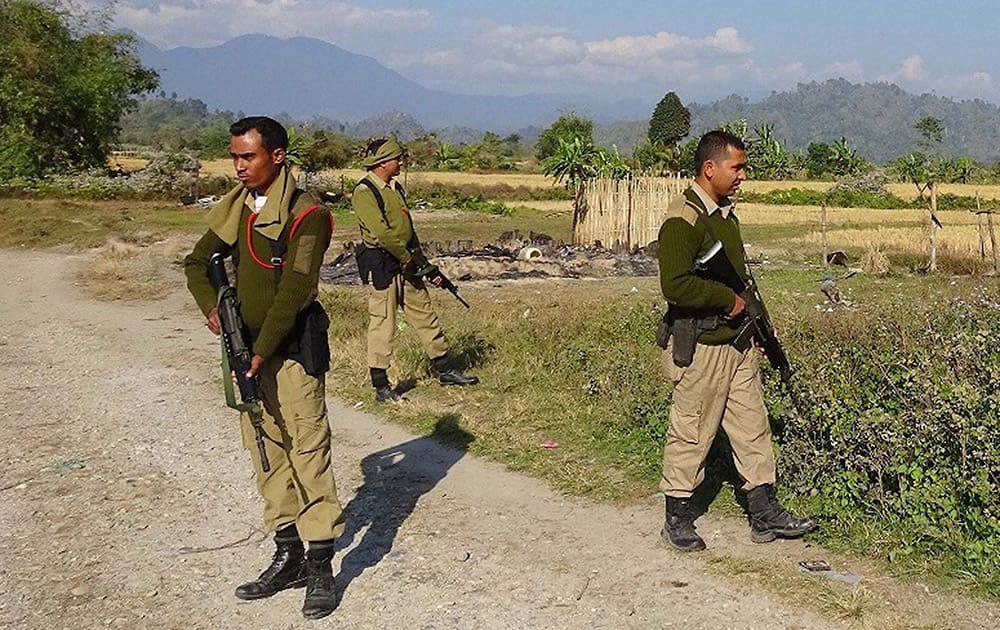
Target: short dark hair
[
  {"x": 713, "y": 145},
  {"x": 272, "y": 134}
]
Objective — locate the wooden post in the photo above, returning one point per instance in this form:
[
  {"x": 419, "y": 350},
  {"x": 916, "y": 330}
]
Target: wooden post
[
  {"x": 628, "y": 215},
  {"x": 979, "y": 226},
  {"x": 822, "y": 223},
  {"x": 993, "y": 241},
  {"x": 932, "y": 267}
]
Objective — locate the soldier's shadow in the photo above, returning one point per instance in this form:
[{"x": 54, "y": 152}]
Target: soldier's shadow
[{"x": 394, "y": 480}]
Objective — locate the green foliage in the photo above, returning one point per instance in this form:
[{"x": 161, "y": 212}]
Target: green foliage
[
  {"x": 658, "y": 159},
  {"x": 452, "y": 198},
  {"x": 327, "y": 151},
  {"x": 931, "y": 131},
  {"x": 171, "y": 125},
  {"x": 766, "y": 158},
  {"x": 62, "y": 94},
  {"x": 670, "y": 122},
  {"x": 819, "y": 160},
  {"x": 577, "y": 161},
  {"x": 566, "y": 128},
  {"x": 896, "y": 425}
]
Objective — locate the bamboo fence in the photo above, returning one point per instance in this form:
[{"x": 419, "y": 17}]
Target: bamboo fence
[{"x": 624, "y": 213}]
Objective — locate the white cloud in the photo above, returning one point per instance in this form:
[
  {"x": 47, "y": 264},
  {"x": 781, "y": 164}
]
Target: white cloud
[
  {"x": 850, "y": 70},
  {"x": 532, "y": 45},
  {"x": 546, "y": 58},
  {"x": 911, "y": 70},
  {"x": 209, "y": 22},
  {"x": 628, "y": 50}
]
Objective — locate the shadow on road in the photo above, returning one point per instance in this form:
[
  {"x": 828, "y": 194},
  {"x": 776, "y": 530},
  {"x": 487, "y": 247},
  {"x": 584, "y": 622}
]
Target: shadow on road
[{"x": 395, "y": 479}]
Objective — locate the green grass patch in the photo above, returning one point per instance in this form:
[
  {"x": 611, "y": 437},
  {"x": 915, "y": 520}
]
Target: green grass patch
[{"x": 891, "y": 444}]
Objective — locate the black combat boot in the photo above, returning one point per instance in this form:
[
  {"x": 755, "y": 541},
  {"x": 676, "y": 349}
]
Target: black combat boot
[
  {"x": 383, "y": 390},
  {"x": 388, "y": 394},
  {"x": 321, "y": 597},
  {"x": 448, "y": 374},
  {"x": 678, "y": 528},
  {"x": 287, "y": 570},
  {"x": 769, "y": 520}
]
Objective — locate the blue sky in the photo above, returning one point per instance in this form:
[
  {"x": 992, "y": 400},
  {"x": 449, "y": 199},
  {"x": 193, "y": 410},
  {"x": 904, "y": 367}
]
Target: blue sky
[{"x": 620, "y": 49}]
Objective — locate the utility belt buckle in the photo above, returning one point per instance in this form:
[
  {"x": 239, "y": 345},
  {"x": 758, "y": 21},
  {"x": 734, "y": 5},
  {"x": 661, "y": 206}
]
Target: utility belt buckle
[{"x": 277, "y": 262}]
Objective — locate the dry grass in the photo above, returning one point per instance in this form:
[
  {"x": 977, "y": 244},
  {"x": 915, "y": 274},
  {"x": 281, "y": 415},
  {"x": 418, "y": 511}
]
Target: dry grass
[
  {"x": 851, "y": 604},
  {"x": 126, "y": 271},
  {"x": 904, "y": 191},
  {"x": 539, "y": 181}
]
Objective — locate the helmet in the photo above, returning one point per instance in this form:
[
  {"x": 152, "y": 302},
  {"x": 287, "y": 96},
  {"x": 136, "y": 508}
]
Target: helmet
[{"x": 381, "y": 150}]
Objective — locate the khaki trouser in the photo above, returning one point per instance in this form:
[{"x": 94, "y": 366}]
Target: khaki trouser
[
  {"x": 721, "y": 387},
  {"x": 299, "y": 488},
  {"x": 413, "y": 298}
]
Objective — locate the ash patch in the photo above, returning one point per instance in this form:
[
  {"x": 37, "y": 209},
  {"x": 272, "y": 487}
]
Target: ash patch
[{"x": 514, "y": 256}]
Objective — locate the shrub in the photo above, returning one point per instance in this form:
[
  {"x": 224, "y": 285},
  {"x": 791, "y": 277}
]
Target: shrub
[{"x": 896, "y": 425}]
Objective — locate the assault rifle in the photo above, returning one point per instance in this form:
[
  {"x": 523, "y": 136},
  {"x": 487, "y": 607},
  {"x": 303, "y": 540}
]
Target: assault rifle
[
  {"x": 429, "y": 271},
  {"x": 236, "y": 355},
  {"x": 715, "y": 265}
]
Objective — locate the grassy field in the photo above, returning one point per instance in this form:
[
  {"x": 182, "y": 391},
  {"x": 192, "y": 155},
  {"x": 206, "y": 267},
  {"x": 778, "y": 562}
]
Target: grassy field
[
  {"x": 542, "y": 182},
  {"x": 569, "y": 361}
]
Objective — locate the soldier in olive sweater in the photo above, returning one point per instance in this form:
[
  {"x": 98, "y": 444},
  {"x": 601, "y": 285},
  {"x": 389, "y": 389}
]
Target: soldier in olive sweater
[
  {"x": 718, "y": 385},
  {"x": 386, "y": 261},
  {"x": 277, "y": 236}
]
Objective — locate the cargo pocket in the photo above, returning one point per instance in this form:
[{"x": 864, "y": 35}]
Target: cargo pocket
[
  {"x": 685, "y": 417},
  {"x": 304, "y": 410},
  {"x": 378, "y": 306}
]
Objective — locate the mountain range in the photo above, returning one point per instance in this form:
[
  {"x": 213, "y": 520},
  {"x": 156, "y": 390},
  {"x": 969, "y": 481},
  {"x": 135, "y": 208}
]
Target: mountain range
[{"x": 303, "y": 78}]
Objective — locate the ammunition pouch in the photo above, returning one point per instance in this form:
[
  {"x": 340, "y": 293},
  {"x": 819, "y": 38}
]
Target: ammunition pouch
[
  {"x": 686, "y": 328},
  {"x": 663, "y": 332},
  {"x": 376, "y": 266},
  {"x": 308, "y": 343}
]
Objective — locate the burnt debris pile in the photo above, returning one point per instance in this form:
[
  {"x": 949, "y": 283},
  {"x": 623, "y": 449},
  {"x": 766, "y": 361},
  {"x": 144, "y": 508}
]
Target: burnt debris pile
[{"x": 514, "y": 256}]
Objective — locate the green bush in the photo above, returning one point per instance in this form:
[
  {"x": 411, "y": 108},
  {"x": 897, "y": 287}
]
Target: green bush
[
  {"x": 854, "y": 199},
  {"x": 895, "y": 435}
]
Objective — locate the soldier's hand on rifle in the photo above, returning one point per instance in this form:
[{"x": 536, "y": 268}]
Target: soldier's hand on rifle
[
  {"x": 739, "y": 307},
  {"x": 256, "y": 362},
  {"x": 213, "y": 322}
]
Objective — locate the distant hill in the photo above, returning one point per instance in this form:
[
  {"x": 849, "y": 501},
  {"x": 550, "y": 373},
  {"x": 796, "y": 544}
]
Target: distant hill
[
  {"x": 876, "y": 118},
  {"x": 303, "y": 78},
  {"x": 307, "y": 77}
]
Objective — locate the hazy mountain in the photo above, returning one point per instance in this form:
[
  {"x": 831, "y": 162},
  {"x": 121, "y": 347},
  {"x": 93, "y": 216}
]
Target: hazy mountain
[
  {"x": 307, "y": 77},
  {"x": 303, "y": 78},
  {"x": 876, "y": 118}
]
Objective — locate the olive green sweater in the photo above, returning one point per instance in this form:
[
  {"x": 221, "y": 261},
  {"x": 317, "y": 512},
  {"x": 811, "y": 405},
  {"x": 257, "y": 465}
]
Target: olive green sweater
[
  {"x": 269, "y": 310},
  {"x": 683, "y": 238},
  {"x": 392, "y": 231}
]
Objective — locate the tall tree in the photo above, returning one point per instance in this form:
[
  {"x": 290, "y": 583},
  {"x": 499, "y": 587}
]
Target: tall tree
[
  {"x": 927, "y": 171},
  {"x": 64, "y": 85},
  {"x": 567, "y": 127},
  {"x": 671, "y": 121}
]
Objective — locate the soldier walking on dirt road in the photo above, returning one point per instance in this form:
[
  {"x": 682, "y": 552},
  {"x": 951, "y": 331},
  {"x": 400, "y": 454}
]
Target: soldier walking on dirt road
[{"x": 712, "y": 366}]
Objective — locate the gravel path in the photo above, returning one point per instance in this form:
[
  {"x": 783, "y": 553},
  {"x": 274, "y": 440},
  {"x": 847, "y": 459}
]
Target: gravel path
[{"x": 128, "y": 502}]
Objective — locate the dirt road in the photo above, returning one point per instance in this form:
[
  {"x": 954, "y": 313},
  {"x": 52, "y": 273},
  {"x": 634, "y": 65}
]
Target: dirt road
[{"x": 127, "y": 501}]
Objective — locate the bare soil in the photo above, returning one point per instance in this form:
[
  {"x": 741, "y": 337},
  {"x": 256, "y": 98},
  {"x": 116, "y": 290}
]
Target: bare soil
[{"x": 129, "y": 503}]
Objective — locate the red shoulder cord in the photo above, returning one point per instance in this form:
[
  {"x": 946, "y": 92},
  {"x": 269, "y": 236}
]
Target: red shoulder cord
[{"x": 291, "y": 234}]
